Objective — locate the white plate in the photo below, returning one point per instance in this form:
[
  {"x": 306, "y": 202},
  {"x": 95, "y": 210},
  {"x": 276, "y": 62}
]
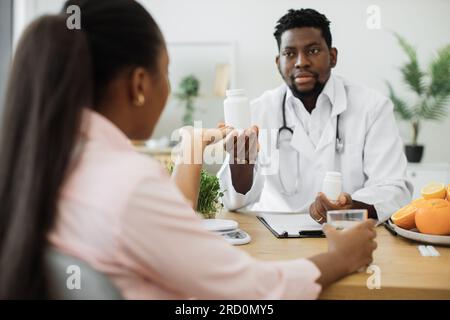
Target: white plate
[
  {"x": 415, "y": 235},
  {"x": 219, "y": 224}
]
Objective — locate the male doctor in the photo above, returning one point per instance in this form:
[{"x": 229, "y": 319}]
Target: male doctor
[{"x": 314, "y": 123}]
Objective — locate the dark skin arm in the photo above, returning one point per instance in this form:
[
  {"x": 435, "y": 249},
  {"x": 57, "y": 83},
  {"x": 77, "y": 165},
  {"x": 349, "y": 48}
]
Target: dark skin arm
[
  {"x": 242, "y": 177},
  {"x": 243, "y": 149},
  {"x": 318, "y": 209}
]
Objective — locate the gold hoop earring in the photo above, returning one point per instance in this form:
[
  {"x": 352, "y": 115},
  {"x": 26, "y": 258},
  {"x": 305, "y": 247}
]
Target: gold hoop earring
[{"x": 140, "y": 100}]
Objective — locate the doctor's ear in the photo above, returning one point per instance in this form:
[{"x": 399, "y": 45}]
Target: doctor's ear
[
  {"x": 333, "y": 57},
  {"x": 277, "y": 62}
]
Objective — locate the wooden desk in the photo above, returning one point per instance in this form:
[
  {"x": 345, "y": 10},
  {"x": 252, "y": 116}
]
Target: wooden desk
[
  {"x": 405, "y": 274},
  {"x": 164, "y": 156}
]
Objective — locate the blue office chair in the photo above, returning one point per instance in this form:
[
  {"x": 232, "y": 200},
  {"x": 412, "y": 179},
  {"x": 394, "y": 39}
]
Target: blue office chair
[{"x": 93, "y": 284}]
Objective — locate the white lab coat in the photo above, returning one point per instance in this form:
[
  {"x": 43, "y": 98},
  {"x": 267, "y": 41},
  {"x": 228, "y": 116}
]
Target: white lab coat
[{"x": 373, "y": 164}]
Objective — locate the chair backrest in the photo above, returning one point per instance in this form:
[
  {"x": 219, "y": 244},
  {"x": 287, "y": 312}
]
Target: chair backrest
[{"x": 69, "y": 278}]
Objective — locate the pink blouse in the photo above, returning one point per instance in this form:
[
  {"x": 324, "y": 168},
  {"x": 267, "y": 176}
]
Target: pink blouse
[{"x": 120, "y": 212}]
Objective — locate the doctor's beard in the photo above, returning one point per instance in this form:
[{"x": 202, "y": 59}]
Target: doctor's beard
[{"x": 314, "y": 92}]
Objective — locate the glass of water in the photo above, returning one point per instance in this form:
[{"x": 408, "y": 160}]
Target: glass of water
[{"x": 343, "y": 219}]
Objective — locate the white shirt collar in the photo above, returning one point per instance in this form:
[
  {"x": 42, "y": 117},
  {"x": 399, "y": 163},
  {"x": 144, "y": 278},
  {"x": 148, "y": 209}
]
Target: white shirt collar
[{"x": 95, "y": 126}]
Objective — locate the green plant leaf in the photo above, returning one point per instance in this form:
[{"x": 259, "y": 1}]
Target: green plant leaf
[
  {"x": 210, "y": 194},
  {"x": 400, "y": 106},
  {"x": 411, "y": 72},
  {"x": 407, "y": 48},
  {"x": 189, "y": 86},
  {"x": 433, "y": 97},
  {"x": 440, "y": 73},
  {"x": 180, "y": 96},
  {"x": 433, "y": 108},
  {"x": 188, "y": 90},
  {"x": 413, "y": 77}
]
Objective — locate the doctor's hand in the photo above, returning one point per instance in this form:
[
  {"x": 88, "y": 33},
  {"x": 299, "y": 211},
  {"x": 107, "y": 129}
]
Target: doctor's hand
[
  {"x": 318, "y": 209},
  {"x": 242, "y": 145}
]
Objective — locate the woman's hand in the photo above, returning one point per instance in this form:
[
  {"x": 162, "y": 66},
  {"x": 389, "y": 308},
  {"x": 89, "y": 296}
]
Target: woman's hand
[
  {"x": 214, "y": 135},
  {"x": 348, "y": 251},
  {"x": 189, "y": 158},
  {"x": 354, "y": 246},
  {"x": 195, "y": 140}
]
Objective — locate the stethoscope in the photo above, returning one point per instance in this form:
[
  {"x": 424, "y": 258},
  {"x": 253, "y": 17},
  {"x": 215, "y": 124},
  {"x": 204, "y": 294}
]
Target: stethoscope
[{"x": 339, "y": 145}]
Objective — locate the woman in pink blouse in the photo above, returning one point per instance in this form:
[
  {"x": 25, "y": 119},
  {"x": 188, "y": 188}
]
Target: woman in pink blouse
[{"x": 70, "y": 177}]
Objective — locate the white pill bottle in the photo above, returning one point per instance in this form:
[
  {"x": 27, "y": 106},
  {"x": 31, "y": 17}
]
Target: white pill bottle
[
  {"x": 332, "y": 185},
  {"x": 236, "y": 109}
]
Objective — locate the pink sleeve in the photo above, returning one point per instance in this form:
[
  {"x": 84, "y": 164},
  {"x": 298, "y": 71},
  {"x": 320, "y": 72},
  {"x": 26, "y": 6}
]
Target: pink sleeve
[{"x": 165, "y": 243}]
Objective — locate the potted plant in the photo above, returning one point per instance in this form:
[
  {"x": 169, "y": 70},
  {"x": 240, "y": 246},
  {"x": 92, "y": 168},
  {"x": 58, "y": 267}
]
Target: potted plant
[
  {"x": 431, "y": 88},
  {"x": 210, "y": 195},
  {"x": 187, "y": 92}
]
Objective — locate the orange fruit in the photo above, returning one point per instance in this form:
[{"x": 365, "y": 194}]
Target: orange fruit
[
  {"x": 448, "y": 192},
  {"x": 418, "y": 202},
  {"x": 433, "y": 217},
  {"x": 405, "y": 217},
  {"x": 433, "y": 190}
]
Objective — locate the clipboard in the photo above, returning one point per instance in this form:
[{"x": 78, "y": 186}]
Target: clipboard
[{"x": 291, "y": 225}]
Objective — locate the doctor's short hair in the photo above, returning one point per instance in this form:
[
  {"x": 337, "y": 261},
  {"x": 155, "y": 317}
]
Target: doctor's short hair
[{"x": 303, "y": 18}]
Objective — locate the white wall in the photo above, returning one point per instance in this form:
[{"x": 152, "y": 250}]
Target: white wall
[
  {"x": 367, "y": 56},
  {"x": 27, "y": 10},
  {"x": 5, "y": 48}
]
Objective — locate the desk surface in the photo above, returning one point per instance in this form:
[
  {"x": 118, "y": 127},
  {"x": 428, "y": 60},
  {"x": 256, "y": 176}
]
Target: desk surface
[{"x": 405, "y": 274}]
